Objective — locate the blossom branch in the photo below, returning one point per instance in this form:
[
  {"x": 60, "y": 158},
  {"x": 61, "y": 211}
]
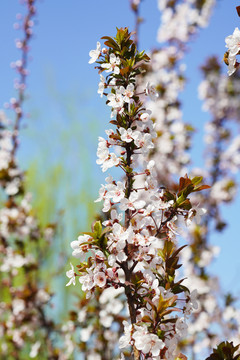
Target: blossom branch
[{"x": 142, "y": 252}]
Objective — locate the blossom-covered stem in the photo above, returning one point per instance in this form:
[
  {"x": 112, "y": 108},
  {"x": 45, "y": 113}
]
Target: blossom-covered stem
[
  {"x": 128, "y": 215},
  {"x": 136, "y": 250}
]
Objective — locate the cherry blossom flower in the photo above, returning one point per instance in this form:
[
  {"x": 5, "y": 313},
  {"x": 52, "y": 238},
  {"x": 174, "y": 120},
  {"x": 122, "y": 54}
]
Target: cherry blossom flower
[
  {"x": 147, "y": 342},
  {"x": 194, "y": 299},
  {"x": 94, "y": 54},
  {"x": 144, "y": 141},
  {"x": 100, "y": 279},
  {"x": 151, "y": 91},
  {"x": 71, "y": 275},
  {"x": 126, "y": 135},
  {"x": 115, "y": 100},
  {"x": 233, "y": 42},
  {"x": 111, "y": 161},
  {"x": 127, "y": 93},
  {"x": 125, "y": 339},
  {"x": 233, "y": 45},
  {"x": 101, "y": 85},
  {"x": 196, "y": 214},
  {"x": 181, "y": 327},
  {"x": 114, "y": 61},
  {"x": 76, "y": 246},
  {"x": 116, "y": 192},
  {"x": 133, "y": 203},
  {"x": 87, "y": 281},
  {"x": 145, "y": 116}
]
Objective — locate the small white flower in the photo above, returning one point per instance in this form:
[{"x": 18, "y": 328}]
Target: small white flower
[
  {"x": 34, "y": 349},
  {"x": 127, "y": 93},
  {"x": 181, "y": 327},
  {"x": 12, "y": 187},
  {"x": 195, "y": 213},
  {"x": 111, "y": 161},
  {"x": 151, "y": 91},
  {"x": 143, "y": 141},
  {"x": 126, "y": 135},
  {"x": 125, "y": 339},
  {"x": 71, "y": 275},
  {"x": 193, "y": 299},
  {"x": 172, "y": 227},
  {"x": 76, "y": 246},
  {"x": 145, "y": 116},
  {"x": 233, "y": 42},
  {"x": 132, "y": 202},
  {"x": 100, "y": 279},
  {"x": 94, "y": 54},
  {"x": 116, "y": 192},
  {"x": 101, "y": 85},
  {"x": 115, "y": 100},
  {"x": 233, "y": 45},
  {"x": 112, "y": 65},
  {"x": 87, "y": 281}
]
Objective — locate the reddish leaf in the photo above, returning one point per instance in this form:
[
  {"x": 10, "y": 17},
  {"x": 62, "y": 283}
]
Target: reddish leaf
[
  {"x": 114, "y": 122},
  {"x": 111, "y": 43},
  {"x": 124, "y": 70},
  {"x": 146, "y": 319},
  {"x": 202, "y": 187},
  {"x": 183, "y": 183}
]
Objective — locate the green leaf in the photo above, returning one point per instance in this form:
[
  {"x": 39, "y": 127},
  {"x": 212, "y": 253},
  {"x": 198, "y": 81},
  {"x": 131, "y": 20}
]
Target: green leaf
[
  {"x": 97, "y": 229},
  {"x": 196, "y": 180},
  {"x": 169, "y": 196},
  {"x": 185, "y": 205}
]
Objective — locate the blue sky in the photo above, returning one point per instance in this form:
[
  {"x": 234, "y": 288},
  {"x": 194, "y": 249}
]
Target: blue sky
[{"x": 65, "y": 32}]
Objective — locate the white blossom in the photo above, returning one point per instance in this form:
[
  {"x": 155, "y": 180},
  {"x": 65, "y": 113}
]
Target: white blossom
[
  {"x": 114, "y": 61},
  {"x": 71, "y": 275},
  {"x": 94, "y": 54}
]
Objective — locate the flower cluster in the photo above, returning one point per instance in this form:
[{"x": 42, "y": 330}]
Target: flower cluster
[
  {"x": 181, "y": 19},
  {"x": 136, "y": 251},
  {"x": 173, "y": 136}
]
